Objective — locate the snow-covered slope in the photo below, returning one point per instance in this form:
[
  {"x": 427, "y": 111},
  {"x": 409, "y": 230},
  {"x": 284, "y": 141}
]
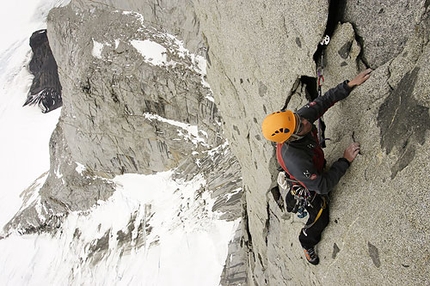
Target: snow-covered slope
[{"x": 175, "y": 240}]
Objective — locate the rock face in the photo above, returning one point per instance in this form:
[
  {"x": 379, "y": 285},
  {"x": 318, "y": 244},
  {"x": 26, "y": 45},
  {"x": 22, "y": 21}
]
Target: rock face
[
  {"x": 258, "y": 52},
  {"x": 394, "y": 21}
]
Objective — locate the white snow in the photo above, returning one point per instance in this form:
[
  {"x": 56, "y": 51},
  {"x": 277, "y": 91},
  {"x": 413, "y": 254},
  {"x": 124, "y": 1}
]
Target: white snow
[
  {"x": 184, "y": 246},
  {"x": 97, "y": 49},
  {"x": 153, "y": 52},
  {"x": 184, "y": 243},
  {"x": 192, "y": 131}
]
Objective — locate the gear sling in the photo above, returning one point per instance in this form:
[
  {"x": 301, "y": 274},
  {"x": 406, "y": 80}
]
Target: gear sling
[{"x": 298, "y": 193}]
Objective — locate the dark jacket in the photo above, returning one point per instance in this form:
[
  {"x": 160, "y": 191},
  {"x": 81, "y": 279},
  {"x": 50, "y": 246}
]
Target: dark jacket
[{"x": 304, "y": 158}]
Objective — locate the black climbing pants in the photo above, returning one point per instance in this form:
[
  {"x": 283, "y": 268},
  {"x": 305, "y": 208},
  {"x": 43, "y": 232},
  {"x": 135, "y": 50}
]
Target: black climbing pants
[{"x": 310, "y": 234}]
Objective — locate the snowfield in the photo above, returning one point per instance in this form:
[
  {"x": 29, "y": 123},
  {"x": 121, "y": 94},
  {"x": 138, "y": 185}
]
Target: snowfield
[{"x": 173, "y": 238}]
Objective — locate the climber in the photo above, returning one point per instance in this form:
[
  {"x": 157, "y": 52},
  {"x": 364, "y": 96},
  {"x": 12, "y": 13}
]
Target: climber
[{"x": 301, "y": 157}]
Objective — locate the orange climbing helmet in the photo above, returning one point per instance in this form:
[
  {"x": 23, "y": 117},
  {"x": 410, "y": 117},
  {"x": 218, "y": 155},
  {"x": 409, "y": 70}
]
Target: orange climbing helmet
[{"x": 279, "y": 126}]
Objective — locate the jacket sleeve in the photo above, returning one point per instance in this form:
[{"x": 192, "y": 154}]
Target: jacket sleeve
[
  {"x": 321, "y": 183},
  {"x": 315, "y": 109}
]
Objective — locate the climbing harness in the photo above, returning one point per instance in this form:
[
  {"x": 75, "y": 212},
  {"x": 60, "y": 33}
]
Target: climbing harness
[
  {"x": 320, "y": 80},
  {"x": 297, "y": 197},
  {"x": 303, "y": 199},
  {"x": 295, "y": 189}
]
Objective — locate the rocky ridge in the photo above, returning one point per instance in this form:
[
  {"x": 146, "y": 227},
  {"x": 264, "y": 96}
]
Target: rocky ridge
[{"x": 127, "y": 113}]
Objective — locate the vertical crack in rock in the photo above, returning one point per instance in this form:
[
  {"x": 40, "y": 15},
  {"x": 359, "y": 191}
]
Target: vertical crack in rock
[
  {"x": 403, "y": 122},
  {"x": 245, "y": 219},
  {"x": 290, "y": 95},
  {"x": 335, "y": 15},
  {"x": 278, "y": 198},
  {"x": 336, "y": 11},
  {"x": 247, "y": 236},
  {"x": 267, "y": 226},
  {"x": 310, "y": 85}
]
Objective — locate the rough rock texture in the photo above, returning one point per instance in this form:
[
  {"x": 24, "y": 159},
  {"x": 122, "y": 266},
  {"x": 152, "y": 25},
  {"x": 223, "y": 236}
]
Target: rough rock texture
[
  {"x": 124, "y": 114},
  {"x": 257, "y": 52},
  {"x": 378, "y": 226},
  {"x": 394, "y": 22}
]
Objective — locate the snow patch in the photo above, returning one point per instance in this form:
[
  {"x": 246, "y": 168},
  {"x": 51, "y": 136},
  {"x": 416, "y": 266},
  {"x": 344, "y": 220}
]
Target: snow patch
[
  {"x": 192, "y": 131},
  {"x": 97, "y": 49},
  {"x": 152, "y": 52},
  {"x": 117, "y": 42},
  {"x": 80, "y": 168}
]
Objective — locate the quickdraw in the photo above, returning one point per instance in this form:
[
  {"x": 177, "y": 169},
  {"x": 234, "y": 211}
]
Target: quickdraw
[{"x": 303, "y": 199}]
